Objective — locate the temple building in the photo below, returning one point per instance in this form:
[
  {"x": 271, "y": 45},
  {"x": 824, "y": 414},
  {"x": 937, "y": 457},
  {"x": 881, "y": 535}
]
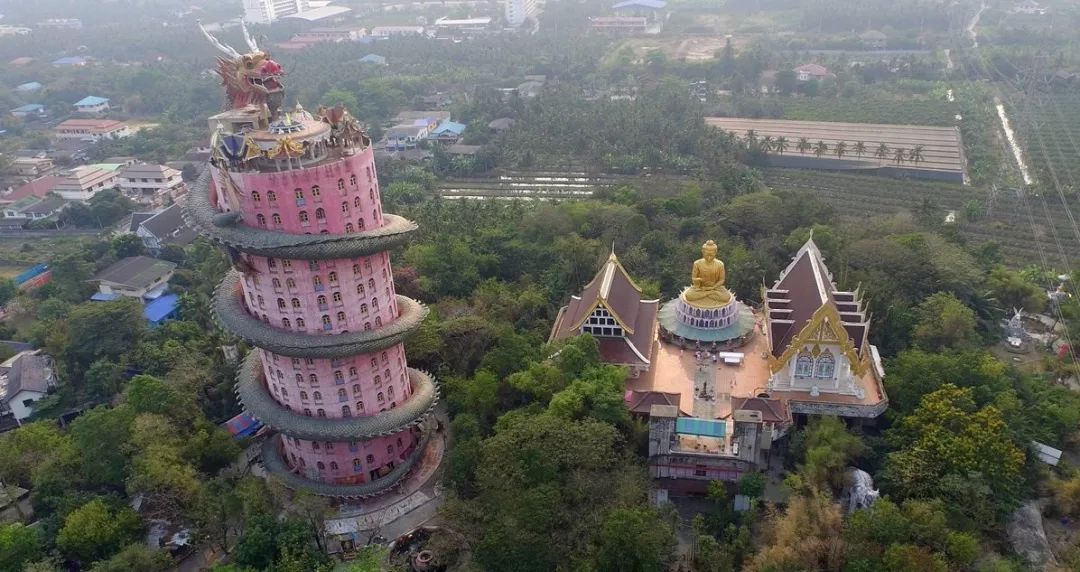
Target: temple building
[
  {"x": 293, "y": 199},
  {"x": 611, "y": 309},
  {"x": 725, "y": 381}
]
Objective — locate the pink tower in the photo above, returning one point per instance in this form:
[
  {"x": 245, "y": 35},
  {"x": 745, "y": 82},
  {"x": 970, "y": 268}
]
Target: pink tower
[{"x": 294, "y": 200}]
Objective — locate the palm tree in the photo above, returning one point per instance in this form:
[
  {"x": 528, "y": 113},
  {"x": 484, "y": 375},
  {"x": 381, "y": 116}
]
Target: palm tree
[
  {"x": 915, "y": 155},
  {"x": 767, "y": 143},
  {"x": 803, "y": 145},
  {"x": 881, "y": 152},
  {"x": 821, "y": 148},
  {"x": 751, "y": 137},
  {"x": 840, "y": 149},
  {"x": 860, "y": 149},
  {"x": 899, "y": 154},
  {"x": 781, "y": 144}
]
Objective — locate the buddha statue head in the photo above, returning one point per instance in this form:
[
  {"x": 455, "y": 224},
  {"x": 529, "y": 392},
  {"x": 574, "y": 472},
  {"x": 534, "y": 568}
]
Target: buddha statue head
[{"x": 708, "y": 250}]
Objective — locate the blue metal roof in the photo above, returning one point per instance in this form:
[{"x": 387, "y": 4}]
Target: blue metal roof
[
  {"x": 703, "y": 427},
  {"x": 92, "y": 100},
  {"x": 451, "y": 127},
  {"x": 652, "y": 4},
  {"x": 243, "y": 425},
  {"x": 28, "y": 86},
  {"x": 100, "y": 297},
  {"x": 161, "y": 309}
]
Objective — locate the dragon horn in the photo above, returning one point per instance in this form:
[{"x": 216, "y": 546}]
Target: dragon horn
[
  {"x": 247, "y": 37},
  {"x": 225, "y": 48}
]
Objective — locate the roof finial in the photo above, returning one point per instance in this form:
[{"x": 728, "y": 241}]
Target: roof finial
[{"x": 612, "y": 257}]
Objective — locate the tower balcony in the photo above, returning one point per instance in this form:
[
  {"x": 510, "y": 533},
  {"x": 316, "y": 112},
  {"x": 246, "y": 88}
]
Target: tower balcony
[
  {"x": 252, "y": 391},
  {"x": 226, "y": 229},
  {"x": 229, "y": 310}
]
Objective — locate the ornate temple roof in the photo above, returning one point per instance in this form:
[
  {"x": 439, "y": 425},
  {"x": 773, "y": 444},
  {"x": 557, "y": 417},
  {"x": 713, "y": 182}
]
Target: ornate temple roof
[
  {"x": 804, "y": 288},
  {"x": 613, "y": 290}
]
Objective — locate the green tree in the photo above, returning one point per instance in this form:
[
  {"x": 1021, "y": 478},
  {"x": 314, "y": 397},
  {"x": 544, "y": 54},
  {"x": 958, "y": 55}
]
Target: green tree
[
  {"x": 752, "y": 485},
  {"x": 949, "y": 435},
  {"x": 18, "y": 546},
  {"x": 821, "y": 148},
  {"x": 634, "y": 540},
  {"x": 135, "y": 558},
  {"x": 944, "y": 322},
  {"x": 829, "y": 447},
  {"x": 101, "y": 330},
  {"x": 95, "y": 532},
  {"x": 8, "y": 289},
  {"x": 103, "y": 437}
]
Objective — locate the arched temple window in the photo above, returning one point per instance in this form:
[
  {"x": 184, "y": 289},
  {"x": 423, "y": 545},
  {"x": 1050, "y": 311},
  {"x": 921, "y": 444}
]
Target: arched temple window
[
  {"x": 825, "y": 366},
  {"x": 804, "y": 365}
]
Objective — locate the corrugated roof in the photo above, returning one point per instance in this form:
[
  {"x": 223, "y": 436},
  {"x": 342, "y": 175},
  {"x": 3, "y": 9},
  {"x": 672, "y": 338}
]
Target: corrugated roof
[
  {"x": 136, "y": 271},
  {"x": 651, "y": 4},
  {"x": 161, "y": 308}
]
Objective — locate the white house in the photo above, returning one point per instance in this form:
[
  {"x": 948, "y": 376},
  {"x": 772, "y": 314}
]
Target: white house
[
  {"x": 135, "y": 277},
  {"x": 85, "y": 182},
  {"x": 92, "y": 130},
  {"x": 25, "y": 378},
  {"x": 150, "y": 184}
]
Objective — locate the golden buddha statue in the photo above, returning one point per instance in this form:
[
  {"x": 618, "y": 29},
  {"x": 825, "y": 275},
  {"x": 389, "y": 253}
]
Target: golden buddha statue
[{"x": 707, "y": 281}]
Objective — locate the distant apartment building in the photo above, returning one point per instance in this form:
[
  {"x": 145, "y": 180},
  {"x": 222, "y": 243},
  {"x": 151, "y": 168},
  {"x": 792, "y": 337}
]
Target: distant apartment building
[
  {"x": 150, "y": 184},
  {"x": 85, "y": 182},
  {"x": 267, "y": 11},
  {"x": 517, "y": 11},
  {"x": 92, "y": 130}
]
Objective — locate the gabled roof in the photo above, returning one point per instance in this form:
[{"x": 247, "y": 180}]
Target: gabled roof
[
  {"x": 91, "y": 100},
  {"x": 37, "y": 188},
  {"x": 169, "y": 226},
  {"x": 613, "y": 290},
  {"x": 813, "y": 69},
  {"x": 137, "y": 219},
  {"x": 148, "y": 171},
  {"x": 449, "y": 127},
  {"x": 772, "y": 410},
  {"x": 641, "y": 402},
  {"x": 501, "y": 123},
  {"x": 804, "y": 288},
  {"x": 28, "y": 86},
  {"x": 28, "y": 108},
  {"x": 26, "y": 371},
  {"x": 136, "y": 271},
  {"x": 45, "y": 207}
]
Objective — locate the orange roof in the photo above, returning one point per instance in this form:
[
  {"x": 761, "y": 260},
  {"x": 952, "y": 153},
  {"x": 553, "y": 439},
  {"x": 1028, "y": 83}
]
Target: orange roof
[
  {"x": 38, "y": 188},
  {"x": 99, "y": 125}
]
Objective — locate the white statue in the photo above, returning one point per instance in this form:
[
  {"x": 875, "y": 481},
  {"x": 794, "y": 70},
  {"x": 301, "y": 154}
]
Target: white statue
[{"x": 860, "y": 491}]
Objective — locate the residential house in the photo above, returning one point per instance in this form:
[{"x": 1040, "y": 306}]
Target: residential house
[
  {"x": 405, "y": 136},
  {"x": 92, "y": 105},
  {"x": 70, "y": 61},
  {"x": 122, "y": 160},
  {"x": 163, "y": 228},
  {"x": 373, "y": 59},
  {"x": 38, "y": 209},
  {"x": 450, "y": 27},
  {"x": 150, "y": 184},
  {"x": 28, "y": 87},
  {"x": 85, "y": 182},
  {"x": 302, "y": 40},
  {"x": 619, "y": 24},
  {"x": 135, "y": 277},
  {"x": 32, "y": 166},
  {"x": 501, "y": 124},
  {"x": 388, "y": 31},
  {"x": 91, "y": 130},
  {"x": 448, "y": 132},
  {"x": 430, "y": 118},
  {"x": 810, "y": 72},
  {"x": 25, "y": 378},
  {"x": 29, "y": 111}
]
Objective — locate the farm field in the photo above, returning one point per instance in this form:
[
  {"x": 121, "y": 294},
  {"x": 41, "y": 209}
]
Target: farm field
[
  {"x": 1048, "y": 126},
  {"x": 942, "y": 152},
  {"x": 873, "y": 110},
  {"x": 1007, "y": 223}
]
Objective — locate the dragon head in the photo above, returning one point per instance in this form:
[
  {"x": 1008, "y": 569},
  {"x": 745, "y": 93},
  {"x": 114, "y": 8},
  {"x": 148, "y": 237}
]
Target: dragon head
[{"x": 249, "y": 79}]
